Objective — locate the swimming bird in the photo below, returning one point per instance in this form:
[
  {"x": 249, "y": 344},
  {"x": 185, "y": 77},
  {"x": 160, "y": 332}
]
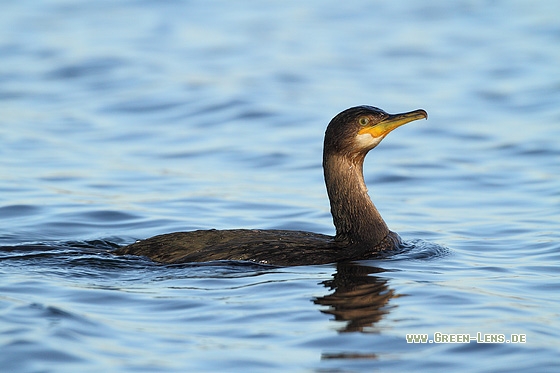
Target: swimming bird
[{"x": 361, "y": 232}]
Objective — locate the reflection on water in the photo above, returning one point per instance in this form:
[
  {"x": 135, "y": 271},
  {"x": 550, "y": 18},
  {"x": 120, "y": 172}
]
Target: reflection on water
[{"x": 360, "y": 298}]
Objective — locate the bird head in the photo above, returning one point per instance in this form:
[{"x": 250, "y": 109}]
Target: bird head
[{"x": 359, "y": 129}]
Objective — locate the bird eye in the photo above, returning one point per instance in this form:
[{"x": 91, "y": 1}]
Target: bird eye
[{"x": 363, "y": 121}]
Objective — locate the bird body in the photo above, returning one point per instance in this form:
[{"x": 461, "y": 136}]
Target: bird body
[
  {"x": 361, "y": 232},
  {"x": 264, "y": 246}
]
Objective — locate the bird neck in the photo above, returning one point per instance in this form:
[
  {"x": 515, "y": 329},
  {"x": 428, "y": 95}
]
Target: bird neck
[{"x": 355, "y": 217}]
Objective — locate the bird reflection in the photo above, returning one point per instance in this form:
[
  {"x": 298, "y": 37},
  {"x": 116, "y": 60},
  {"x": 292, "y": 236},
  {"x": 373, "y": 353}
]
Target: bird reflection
[{"x": 360, "y": 299}]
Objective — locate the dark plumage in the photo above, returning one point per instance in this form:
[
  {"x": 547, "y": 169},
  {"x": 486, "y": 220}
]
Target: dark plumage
[{"x": 361, "y": 232}]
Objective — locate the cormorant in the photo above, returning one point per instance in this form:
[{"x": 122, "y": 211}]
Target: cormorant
[{"x": 361, "y": 232}]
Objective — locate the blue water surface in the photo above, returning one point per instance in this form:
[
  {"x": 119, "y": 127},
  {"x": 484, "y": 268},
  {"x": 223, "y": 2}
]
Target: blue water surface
[{"x": 123, "y": 120}]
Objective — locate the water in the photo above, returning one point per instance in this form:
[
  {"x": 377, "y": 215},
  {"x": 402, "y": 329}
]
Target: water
[{"x": 122, "y": 120}]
